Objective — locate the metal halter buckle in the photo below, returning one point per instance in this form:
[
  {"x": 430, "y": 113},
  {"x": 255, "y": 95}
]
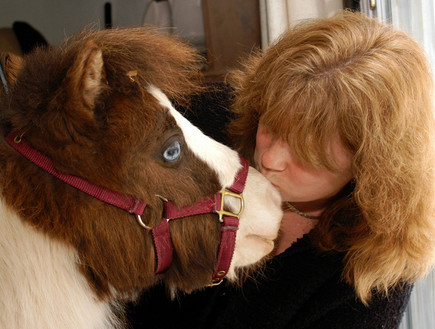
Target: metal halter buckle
[{"x": 223, "y": 212}]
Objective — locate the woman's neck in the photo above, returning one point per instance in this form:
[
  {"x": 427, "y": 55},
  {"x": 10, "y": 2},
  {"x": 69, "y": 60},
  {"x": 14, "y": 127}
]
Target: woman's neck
[
  {"x": 313, "y": 208},
  {"x": 293, "y": 227}
]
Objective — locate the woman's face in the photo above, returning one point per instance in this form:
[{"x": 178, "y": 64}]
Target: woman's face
[{"x": 297, "y": 182}]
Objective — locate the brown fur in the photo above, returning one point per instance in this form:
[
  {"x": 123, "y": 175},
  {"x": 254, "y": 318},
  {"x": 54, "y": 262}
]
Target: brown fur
[{"x": 85, "y": 105}]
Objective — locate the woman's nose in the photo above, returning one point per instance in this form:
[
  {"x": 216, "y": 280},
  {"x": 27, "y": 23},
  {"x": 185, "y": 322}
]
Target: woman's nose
[{"x": 275, "y": 157}]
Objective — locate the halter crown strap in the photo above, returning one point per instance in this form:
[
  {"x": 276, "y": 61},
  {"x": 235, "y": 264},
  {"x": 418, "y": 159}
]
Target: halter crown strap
[{"x": 126, "y": 202}]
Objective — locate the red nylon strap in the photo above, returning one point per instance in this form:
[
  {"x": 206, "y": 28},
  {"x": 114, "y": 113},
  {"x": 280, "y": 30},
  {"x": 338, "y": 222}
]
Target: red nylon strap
[
  {"x": 228, "y": 229},
  {"x": 205, "y": 206},
  {"x": 240, "y": 180},
  {"x": 163, "y": 246},
  {"x": 226, "y": 248},
  {"x": 161, "y": 234},
  {"x": 126, "y": 202}
]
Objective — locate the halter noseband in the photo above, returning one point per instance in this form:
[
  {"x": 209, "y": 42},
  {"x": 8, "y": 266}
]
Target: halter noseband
[{"x": 161, "y": 234}]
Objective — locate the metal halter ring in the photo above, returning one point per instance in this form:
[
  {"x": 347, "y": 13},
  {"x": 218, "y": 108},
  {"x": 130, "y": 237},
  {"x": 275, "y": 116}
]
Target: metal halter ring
[
  {"x": 141, "y": 223},
  {"x": 139, "y": 218}
]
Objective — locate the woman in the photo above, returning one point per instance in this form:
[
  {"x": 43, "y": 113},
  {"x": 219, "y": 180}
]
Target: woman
[{"x": 338, "y": 115}]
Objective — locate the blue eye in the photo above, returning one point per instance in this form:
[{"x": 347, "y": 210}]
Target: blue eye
[{"x": 173, "y": 152}]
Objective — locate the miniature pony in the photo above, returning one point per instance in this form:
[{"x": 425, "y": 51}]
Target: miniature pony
[{"x": 96, "y": 117}]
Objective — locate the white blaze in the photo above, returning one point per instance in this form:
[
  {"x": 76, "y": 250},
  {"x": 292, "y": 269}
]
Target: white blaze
[{"x": 219, "y": 157}]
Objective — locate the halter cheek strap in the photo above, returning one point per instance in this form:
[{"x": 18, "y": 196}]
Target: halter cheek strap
[{"x": 230, "y": 225}]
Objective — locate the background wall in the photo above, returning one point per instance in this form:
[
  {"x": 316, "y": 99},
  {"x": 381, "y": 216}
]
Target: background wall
[
  {"x": 57, "y": 19},
  {"x": 225, "y": 34}
]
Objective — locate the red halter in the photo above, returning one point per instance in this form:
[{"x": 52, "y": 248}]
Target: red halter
[
  {"x": 161, "y": 234},
  {"x": 215, "y": 203}
]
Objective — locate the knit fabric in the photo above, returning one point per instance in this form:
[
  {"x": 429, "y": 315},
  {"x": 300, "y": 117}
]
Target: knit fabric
[{"x": 298, "y": 289}]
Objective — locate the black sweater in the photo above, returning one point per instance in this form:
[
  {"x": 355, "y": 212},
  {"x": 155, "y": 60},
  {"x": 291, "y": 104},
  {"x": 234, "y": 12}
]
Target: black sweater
[{"x": 300, "y": 288}]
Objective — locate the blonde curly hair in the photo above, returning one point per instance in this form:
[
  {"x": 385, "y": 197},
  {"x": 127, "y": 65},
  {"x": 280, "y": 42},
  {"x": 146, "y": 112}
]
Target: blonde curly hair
[{"x": 372, "y": 85}]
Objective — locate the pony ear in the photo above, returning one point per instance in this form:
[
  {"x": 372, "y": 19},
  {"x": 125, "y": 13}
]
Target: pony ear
[
  {"x": 86, "y": 76},
  {"x": 11, "y": 66}
]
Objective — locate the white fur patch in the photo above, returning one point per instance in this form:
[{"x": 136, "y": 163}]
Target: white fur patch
[
  {"x": 222, "y": 159},
  {"x": 40, "y": 283}
]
